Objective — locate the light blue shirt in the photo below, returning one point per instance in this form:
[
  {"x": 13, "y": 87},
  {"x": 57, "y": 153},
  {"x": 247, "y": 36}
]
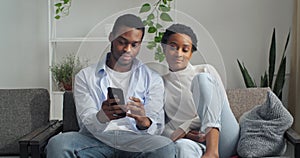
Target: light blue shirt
[{"x": 90, "y": 90}]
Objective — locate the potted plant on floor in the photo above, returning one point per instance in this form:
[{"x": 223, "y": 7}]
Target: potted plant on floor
[
  {"x": 267, "y": 78},
  {"x": 63, "y": 72}
]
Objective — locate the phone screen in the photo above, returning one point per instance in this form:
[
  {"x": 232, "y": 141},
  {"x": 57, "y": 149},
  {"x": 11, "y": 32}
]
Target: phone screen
[{"x": 116, "y": 93}]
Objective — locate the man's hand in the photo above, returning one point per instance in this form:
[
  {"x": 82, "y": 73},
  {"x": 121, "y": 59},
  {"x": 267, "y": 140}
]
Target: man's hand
[
  {"x": 110, "y": 110},
  {"x": 137, "y": 111}
]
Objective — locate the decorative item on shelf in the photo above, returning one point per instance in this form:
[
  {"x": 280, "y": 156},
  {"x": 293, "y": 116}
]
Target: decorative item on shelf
[
  {"x": 267, "y": 78},
  {"x": 159, "y": 12},
  {"x": 63, "y": 72}
]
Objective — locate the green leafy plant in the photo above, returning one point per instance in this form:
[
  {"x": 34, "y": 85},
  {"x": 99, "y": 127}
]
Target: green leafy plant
[
  {"x": 64, "y": 71},
  {"x": 62, "y": 8},
  {"x": 267, "y": 79},
  {"x": 157, "y": 13}
]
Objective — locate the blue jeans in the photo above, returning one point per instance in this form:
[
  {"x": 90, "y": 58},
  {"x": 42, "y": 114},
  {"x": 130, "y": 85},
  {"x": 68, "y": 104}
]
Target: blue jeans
[
  {"x": 76, "y": 144},
  {"x": 214, "y": 111}
]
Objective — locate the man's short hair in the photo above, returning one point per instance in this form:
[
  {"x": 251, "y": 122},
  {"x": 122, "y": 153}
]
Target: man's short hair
[{"x": 129, "y": 20}]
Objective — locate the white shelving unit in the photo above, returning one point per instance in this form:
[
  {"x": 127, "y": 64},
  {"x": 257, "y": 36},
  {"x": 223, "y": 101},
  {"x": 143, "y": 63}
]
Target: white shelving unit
[
  {"x": 89, "y": 35},
  {"x": 56, "y": 96},
  {"x": 55, "y": 40}
]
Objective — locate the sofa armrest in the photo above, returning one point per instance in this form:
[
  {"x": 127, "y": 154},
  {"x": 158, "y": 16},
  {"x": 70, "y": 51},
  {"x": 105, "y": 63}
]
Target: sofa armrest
[
  {"x": 38, "y": 143},
  {"x": 293, "y": 137},
  {"x": 24, "y": 142}
]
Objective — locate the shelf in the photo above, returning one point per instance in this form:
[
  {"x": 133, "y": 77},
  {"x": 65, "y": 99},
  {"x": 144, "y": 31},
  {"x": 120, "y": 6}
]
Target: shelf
[{"x": 80, "y": 39}]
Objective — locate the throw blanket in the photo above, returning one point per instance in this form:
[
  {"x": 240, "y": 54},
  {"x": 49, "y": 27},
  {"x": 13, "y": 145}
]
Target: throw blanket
[{"x": 263, "y": 128}]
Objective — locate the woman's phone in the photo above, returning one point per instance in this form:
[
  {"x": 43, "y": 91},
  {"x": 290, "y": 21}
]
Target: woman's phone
[{"x": 117, "y": 93}]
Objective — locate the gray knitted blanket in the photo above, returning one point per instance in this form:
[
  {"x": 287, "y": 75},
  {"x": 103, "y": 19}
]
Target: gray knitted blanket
[{"x": 263, "y": 128}]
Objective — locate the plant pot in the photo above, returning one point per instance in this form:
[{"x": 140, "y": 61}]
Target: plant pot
[{"x": 67, "y": 86}]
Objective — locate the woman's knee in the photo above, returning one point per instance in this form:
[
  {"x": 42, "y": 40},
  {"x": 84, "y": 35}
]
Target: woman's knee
[{"x": 204, "y": 81}]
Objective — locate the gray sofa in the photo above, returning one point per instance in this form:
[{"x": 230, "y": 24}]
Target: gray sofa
[
  {"x": 22, "y": 111},
  {"x": 241, "y": 100}
]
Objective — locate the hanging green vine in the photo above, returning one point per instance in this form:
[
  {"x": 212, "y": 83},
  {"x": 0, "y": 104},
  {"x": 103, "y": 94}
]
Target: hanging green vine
[
  {"x": 62, "y": 8},
  {"x": 157, "y": 13}
]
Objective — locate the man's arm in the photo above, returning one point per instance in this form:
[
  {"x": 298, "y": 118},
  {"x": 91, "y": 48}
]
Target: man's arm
[
  {"x": 153, "y": 105},
  {"x": 86, "y": 106}
]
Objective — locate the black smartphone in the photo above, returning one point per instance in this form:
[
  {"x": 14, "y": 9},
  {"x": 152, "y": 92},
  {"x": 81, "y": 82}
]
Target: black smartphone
[{"x": 117, "y": 93}]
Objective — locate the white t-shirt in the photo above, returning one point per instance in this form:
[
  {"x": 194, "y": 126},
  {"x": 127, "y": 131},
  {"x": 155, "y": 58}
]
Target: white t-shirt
[{"x": 119, "y": 80}]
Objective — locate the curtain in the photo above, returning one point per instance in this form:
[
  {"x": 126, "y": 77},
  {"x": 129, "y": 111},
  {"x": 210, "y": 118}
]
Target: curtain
[{"x": 294, "y": 82}]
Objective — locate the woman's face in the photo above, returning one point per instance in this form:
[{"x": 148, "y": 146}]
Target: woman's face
[{"x": 178, "y": 51}]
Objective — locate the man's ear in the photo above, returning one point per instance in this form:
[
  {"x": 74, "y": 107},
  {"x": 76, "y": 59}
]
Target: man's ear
[{"x": 111, "y": 37}]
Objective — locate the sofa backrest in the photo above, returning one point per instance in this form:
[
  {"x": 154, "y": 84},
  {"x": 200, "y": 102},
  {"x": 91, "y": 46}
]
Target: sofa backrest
[
  {"x": 244, "y": 99},
  {"x": 240, "y": 100},
  {"x": 21, "y": 111}
]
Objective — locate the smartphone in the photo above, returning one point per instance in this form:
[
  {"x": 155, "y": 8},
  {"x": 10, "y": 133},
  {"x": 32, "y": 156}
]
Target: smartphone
[{"x": 117, "y": 93}]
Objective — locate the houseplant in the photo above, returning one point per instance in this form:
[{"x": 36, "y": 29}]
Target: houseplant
[
  {"x": 62, "y": 8},
  {"x": 64, "y": 71},
  {"x": 157, "y": 13},
  {"x": 267, "y": 78}
]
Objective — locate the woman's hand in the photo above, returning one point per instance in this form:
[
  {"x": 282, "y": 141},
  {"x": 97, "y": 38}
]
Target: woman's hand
[
  {"x": 177, "y": 134},
  {"x": 195, "y": 136}
]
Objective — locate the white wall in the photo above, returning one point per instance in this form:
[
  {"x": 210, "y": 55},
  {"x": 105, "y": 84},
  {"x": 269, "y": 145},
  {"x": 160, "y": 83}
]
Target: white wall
[
  {"x": 23, "y": 44},
  {"x": 240, "y": 28}
]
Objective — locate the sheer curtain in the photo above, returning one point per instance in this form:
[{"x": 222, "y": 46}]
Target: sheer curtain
[{"x": 294, "y": 87}]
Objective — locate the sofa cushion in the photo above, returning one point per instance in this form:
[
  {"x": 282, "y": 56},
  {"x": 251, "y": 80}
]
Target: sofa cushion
[
  {"x": 21, "y": 111},
  {"x": 263, "y": 128},
  {"x": 70, "y": 122}
]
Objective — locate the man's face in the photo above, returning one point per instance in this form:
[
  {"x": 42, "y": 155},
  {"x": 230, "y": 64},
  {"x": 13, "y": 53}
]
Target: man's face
[{"x": 126, "y": 43}]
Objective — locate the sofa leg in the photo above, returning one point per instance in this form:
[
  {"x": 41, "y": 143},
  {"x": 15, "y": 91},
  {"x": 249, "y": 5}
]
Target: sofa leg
[
  {"x": 24, "y": 150},
  {"x": 297, "y": 150},
  {"x": 35, "y": 151}
]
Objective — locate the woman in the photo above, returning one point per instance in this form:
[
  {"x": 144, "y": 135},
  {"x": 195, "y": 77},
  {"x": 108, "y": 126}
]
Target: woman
[{"x": 197, "y": 109}]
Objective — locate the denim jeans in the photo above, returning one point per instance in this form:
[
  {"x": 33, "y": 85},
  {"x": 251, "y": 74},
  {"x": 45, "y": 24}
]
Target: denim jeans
[
  {"x": 214, "y": 111},
  {"x": 122, "y": 144},
  {"x": 186, "y": 148}
]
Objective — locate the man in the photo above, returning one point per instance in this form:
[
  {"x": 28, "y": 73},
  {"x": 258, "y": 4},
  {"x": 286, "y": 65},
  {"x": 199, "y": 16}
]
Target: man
[{"x": 104, "y": 131}]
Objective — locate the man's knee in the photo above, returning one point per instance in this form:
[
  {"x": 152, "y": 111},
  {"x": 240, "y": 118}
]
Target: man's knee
[
  {"x": 167, "y": 151},
  {"x": 61, "y": 143},
  {"x": 189, "y": 147}
]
